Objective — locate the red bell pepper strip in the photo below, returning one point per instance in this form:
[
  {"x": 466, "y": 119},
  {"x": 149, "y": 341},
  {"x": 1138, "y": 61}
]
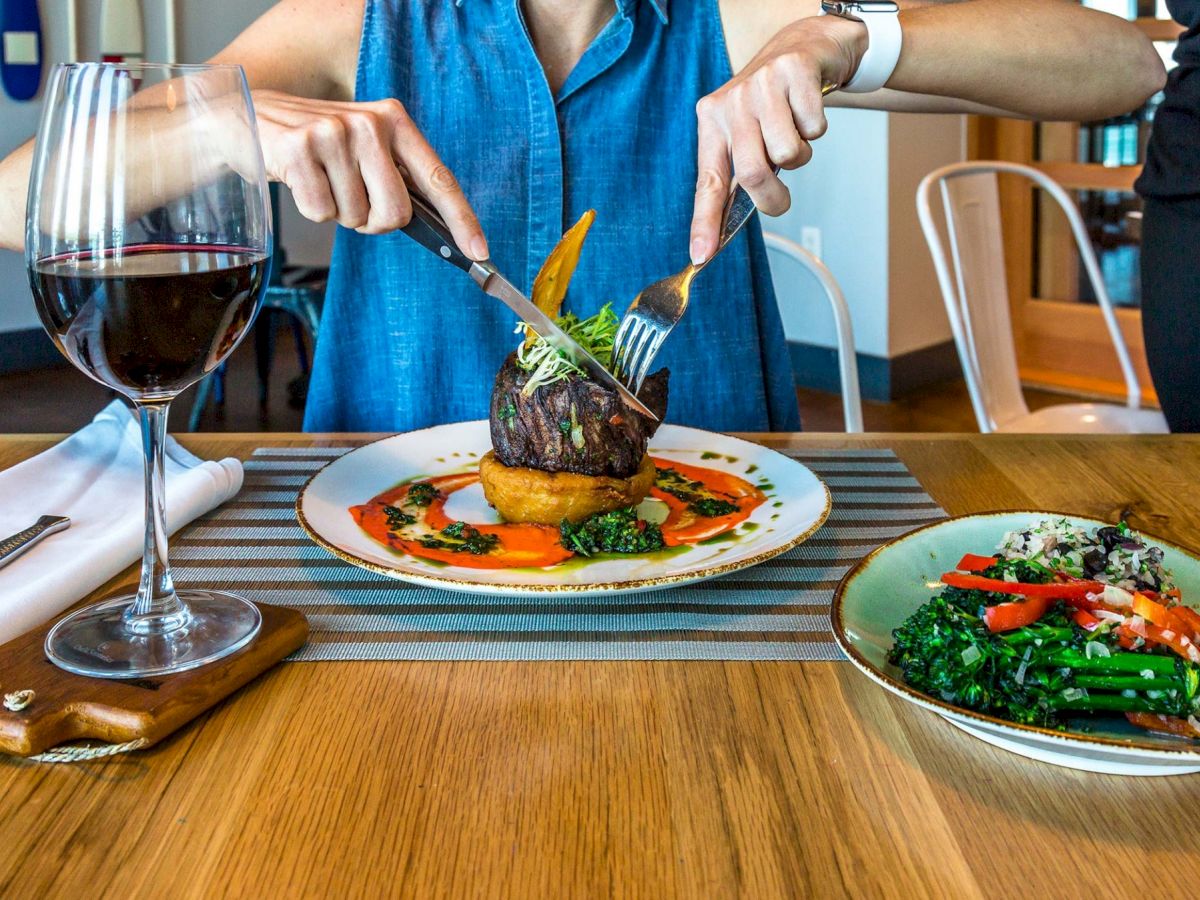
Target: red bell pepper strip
[
  {"x": 1163, "y": 724},
  {"x": 974, "y": 563},
  {"x": 1176, "y": 640},
  {"x": 1154, "y": 613},
  {"x": 1074, "y": 590},
  {"x": 1189, "y": 618},
  {"x": 1007, "y": 616},
  {"x": 1085, "y": 620}
]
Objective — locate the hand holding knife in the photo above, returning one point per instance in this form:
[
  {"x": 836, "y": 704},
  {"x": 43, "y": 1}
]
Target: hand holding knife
[{"x": 429, "y": 230}]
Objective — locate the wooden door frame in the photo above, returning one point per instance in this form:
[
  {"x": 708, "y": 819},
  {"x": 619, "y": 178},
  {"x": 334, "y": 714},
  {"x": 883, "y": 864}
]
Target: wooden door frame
[{"x": 1060, "y": 345}]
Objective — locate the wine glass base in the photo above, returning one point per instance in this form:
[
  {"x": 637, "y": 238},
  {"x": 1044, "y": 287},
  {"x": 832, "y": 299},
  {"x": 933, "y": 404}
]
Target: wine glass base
[{"x": 96, "y": 641}]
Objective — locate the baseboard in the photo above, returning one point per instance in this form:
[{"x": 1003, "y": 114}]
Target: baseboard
[
  {"x": 814, "y": 367},
  {"x": 26, "y": 350},
  {"x": 879, "y": 378}
]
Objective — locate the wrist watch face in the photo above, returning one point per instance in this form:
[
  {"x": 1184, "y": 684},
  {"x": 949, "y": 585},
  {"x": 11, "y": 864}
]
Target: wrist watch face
[{"x": 854, "y": 8}]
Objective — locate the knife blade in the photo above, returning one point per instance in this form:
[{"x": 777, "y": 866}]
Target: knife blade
[
  {"x": 496, "y": 285},
  {"x": 428, "y": 229}
]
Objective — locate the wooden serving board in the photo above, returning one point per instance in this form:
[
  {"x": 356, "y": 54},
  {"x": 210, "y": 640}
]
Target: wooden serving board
[{"x": 69, "y": 707}]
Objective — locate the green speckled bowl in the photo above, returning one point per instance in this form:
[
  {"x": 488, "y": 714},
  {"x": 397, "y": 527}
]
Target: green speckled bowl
[{"x": 889, "y": 585}]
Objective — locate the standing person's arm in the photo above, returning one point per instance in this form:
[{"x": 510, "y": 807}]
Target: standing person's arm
[
  {"x": 340, "y": 159},
  {"x": 1045, "y": 59}
]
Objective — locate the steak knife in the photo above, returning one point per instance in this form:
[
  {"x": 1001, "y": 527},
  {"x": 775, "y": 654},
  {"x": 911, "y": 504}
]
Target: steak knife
[{"x": 428, "y": 229}]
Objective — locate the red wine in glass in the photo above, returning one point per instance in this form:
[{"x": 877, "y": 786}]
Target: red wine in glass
[{"x": 153, "y": 321}]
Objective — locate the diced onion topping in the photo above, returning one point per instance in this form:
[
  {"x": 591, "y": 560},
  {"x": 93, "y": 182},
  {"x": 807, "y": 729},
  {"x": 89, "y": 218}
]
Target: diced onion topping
[
  {"x": 1115, "y": 596},
  {"x": 970, "y": 655},
  {"x": 1095, "y": 649},
  {"x": 1020, "y": 676}
]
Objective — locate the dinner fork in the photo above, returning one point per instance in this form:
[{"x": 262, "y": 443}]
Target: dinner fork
[{"x": 659, "y": 307}]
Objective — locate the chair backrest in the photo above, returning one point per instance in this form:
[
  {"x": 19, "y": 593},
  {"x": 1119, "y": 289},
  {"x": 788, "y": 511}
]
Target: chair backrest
[
  {"x": 975, "y": 289},
  {"x": 847, "y": 361}
]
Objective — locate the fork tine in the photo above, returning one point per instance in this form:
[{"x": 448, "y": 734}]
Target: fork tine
[
  {"x": 634, "y": 338},
  {"x": 621, "y": 342},
  {"x": 647, "y": 359},
  {"x": 634, "y": 361}
]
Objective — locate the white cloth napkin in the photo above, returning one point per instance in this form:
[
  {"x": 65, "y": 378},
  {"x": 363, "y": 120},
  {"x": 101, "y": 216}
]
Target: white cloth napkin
[{"x": 95, "y": 477}]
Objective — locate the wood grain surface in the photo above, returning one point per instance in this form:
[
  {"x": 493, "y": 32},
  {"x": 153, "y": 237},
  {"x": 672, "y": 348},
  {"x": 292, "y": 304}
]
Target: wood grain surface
[
  {"x": 640, "y": 779},
  {"x": 69, "y": 707}
]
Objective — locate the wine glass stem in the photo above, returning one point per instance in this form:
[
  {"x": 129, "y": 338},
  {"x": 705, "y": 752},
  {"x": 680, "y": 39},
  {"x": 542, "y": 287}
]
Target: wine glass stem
[{"x": 157, "y": 609}]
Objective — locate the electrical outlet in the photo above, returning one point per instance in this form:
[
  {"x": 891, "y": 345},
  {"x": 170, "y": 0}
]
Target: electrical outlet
[{"x": 810, "y": 239}]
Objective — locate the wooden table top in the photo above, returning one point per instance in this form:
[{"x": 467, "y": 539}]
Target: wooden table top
[{"x": 624, "y": 778}]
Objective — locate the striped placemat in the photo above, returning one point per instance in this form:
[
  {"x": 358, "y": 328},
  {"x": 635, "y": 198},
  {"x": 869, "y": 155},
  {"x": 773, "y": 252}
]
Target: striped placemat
[{"x": 778, "y": 610}]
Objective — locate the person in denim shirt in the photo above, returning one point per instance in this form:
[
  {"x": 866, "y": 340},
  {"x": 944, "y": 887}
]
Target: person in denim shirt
[{"x": 516, "y": 116}]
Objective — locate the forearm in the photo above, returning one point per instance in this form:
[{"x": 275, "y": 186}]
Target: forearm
[
  {"x": 14, "y": 188},
  {"x": 1044, "y": 59}
]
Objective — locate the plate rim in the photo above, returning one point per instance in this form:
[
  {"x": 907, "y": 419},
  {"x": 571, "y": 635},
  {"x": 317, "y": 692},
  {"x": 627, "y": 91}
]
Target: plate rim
[
  {"x": 933, "y": 704},
  {"x": 638, "y": 584}
]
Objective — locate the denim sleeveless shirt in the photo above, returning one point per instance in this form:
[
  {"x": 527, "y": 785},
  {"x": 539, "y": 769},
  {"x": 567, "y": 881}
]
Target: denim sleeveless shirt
[{"x": 408, "y": 341}]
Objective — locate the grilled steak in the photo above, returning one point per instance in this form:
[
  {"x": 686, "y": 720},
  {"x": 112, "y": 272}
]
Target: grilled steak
[{"x": 574, "y": 425}]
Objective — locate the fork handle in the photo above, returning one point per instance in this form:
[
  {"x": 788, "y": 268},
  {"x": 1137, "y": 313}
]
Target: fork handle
[{"x": 738, "y": 210}]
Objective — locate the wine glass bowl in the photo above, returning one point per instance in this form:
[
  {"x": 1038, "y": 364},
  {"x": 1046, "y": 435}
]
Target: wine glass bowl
[{"x": 148, "y": 241}]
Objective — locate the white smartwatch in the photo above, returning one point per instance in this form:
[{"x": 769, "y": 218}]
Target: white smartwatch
[{"x": 882, "y": 21}]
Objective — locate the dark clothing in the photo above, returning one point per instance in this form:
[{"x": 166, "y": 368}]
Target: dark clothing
[
  {"x": 1170, "y": 182},
  {"x": 1171, "y": 306},
  {"x": 1187, "y": 14},
  {"x": 1173, "y": 157}
]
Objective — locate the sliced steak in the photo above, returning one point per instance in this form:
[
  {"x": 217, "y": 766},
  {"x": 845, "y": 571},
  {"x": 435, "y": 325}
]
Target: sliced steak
[{"x": 574, "y": 425}]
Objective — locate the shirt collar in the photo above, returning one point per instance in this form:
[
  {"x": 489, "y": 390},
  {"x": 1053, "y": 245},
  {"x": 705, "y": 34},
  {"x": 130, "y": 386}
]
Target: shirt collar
[{"x": 660, "y": 7}]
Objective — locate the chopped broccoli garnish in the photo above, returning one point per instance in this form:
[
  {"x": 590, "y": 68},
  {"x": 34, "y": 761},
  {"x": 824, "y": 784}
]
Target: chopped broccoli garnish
[
  {"x": 712, "y": 508},
  {"x": 397, "y": 518},
  {"x": 699, "y": 499},
  {"x": 463, "y": 538},
  {"x": 421, "y": 493},
  {"x": 619, "y": 531}
]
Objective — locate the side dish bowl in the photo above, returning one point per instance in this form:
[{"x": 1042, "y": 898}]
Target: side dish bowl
[{"x": 893, "y": 581}]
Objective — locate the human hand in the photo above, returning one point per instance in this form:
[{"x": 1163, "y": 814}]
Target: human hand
[
  {"x": 766, "y": 116},
  {"x": 346, "y": 162}
]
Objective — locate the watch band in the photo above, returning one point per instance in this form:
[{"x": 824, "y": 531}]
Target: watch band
[{"x": 882, "y": 21}]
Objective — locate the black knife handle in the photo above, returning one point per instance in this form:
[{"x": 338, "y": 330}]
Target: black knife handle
[{"x": 429, "y": 230}]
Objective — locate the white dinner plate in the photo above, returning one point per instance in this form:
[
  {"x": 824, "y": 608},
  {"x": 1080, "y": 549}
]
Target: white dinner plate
[
  {"x": 798, "y": 503},
  {"x": 892, "y": 582}
]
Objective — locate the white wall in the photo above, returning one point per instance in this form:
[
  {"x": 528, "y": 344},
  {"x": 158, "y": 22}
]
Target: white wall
[
  {"x": 860, "y": 190},
  {"x": 917, "y": 145},
  {"x": 844, "y": 192},
  {"x": 204, "y": 27}
]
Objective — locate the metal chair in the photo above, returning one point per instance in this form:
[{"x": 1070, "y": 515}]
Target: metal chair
[
  {"x": 298, "y": 292},
  {"x": 975, "y": 292},
  {"x": 847, "y": 361}
]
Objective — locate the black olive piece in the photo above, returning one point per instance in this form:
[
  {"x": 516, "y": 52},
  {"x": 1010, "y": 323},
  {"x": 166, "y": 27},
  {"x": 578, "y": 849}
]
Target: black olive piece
[{"x": 1094, "y": 562}]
